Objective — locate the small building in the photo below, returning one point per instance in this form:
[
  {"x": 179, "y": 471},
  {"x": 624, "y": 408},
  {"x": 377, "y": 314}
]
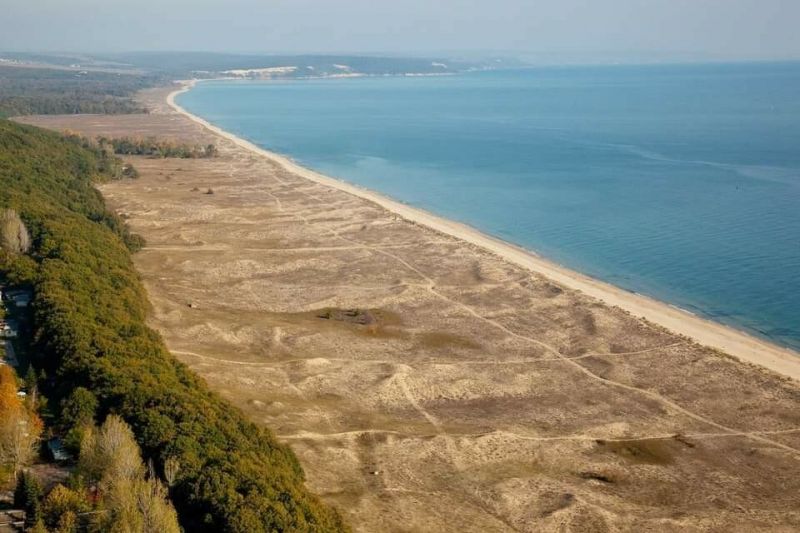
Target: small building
[
  {"x": 10, "y": 356},
  {"x": 12, "y": 520},
  {"x": 9, "y": 329},
  {"x": 57, "y": 451},
  {"x": 23, "y": 300},
  {"x": 20, "y": 297}
]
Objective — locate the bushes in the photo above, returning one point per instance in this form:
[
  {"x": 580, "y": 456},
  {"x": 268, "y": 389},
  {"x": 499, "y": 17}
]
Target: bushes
[
  {"x": 152, "y": 147},
  {"x": 89, "y": 317}
]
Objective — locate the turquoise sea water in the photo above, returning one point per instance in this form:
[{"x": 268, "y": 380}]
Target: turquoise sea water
[{"x": 681, "y": 182}]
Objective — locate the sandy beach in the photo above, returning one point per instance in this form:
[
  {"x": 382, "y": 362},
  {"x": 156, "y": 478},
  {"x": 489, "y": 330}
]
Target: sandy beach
[
  {"x": 432, "y": 378},
  {"x": 706, "y": 332}
]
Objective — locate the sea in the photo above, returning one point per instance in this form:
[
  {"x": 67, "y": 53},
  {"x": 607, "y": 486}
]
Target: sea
[{"x": 681, "y": 182}]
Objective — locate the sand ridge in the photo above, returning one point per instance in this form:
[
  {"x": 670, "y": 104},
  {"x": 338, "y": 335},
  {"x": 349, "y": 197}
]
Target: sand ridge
[{"x": 428, "y": 384}]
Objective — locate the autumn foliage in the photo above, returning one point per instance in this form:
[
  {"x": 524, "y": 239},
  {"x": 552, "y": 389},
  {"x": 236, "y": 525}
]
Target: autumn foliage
[{"x": 20, "y": 426}]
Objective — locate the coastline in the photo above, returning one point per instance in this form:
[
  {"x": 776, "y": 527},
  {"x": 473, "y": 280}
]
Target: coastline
[{"x": 706, "y": 332}]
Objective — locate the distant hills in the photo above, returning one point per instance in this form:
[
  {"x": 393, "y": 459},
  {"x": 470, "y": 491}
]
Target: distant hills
[
  {"x": 42, "y": 83},
  {"x": 212, "y": 65}
]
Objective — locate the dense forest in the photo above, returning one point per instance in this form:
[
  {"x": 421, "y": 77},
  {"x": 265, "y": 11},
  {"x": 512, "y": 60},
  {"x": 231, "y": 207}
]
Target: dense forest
[
  {"x": 96, "y": 359},
  {"x": 30, "y": 91}
]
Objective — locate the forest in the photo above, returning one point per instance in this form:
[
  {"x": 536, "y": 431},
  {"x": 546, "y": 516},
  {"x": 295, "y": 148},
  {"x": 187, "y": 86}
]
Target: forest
[
  {"x": 29, "y": 91},
  {"x": 97, "y": 363}
]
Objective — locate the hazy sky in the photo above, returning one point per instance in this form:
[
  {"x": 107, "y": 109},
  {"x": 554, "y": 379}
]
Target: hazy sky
[{"x": 691, "y": 28}]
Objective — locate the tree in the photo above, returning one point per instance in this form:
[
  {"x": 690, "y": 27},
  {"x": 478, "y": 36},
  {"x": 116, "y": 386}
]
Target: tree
[
  {"x": 20, "y": 427},
  {"x": 171, "y": 468},
  {"x": 78, "y": 408},
  {"x": 19, "y": 435},
  {"x": 31, "y": 386},
  {"x": 28, "y": 496},
  {"x": 68, "y": 523},
  {"x": 77, "y": 413},
  {"x": 137, "y": 506},
  {"x": 110, "y": 455},
  {"x": 60, "y": 502},
  {"x": 38, "y": 527},
  {"x": 14, "y": 235},
  {"x": 8, "y": 389}
]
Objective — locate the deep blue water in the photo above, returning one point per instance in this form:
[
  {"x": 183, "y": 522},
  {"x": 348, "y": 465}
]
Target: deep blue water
[{"x": 681, "y": 182}]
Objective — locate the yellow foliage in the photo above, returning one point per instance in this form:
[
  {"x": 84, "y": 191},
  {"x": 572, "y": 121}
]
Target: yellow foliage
[
  {"x": 20, "y": 427},
  {"x": 9, "y": 401}
]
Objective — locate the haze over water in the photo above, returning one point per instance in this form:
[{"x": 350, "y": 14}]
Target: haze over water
[{"x": 680, "y": 182}]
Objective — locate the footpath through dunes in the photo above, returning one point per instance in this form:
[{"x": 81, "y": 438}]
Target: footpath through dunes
[{"x": 428, "y": 385}]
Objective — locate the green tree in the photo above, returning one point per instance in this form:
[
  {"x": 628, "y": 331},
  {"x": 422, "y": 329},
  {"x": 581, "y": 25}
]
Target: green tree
[
  {"x": 38, "y": 527},
  {"x": 32, "y": 385},
  {"x": 28, "y": 496},
  {"x": 61, "y": 501},
  {"x": 77, "y": 412}
]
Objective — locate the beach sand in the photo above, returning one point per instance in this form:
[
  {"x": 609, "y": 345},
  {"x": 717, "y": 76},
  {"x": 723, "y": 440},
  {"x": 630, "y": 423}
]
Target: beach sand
[{"x": 432, "y": 378}]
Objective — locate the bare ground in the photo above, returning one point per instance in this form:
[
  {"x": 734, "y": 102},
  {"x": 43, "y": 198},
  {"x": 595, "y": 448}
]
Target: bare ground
[{"x": 428, "y": 385}]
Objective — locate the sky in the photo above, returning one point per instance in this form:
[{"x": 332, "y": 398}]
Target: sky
[{"x": 683, "y": 29}]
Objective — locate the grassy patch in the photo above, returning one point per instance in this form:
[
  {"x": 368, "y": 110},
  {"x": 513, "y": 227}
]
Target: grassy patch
[{"x": 644, "y": 451}]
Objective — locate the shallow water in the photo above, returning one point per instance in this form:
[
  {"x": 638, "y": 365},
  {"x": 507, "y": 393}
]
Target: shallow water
[{"x": 681, "y": 182}]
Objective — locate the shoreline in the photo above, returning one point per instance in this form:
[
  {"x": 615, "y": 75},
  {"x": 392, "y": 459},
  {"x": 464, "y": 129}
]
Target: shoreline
[{"x": 731, "y": 341}]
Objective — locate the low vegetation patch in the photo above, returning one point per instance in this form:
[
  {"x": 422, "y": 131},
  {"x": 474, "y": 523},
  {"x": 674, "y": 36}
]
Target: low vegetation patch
[
  {"x": 596, "y": 476},
  {"x": 152, "y": 147},
  {"x": 362, "y": 317},
  {"x": 648, "y": 451}
]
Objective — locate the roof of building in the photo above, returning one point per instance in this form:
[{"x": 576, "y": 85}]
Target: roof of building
[{"x": 56, "y": 448}]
